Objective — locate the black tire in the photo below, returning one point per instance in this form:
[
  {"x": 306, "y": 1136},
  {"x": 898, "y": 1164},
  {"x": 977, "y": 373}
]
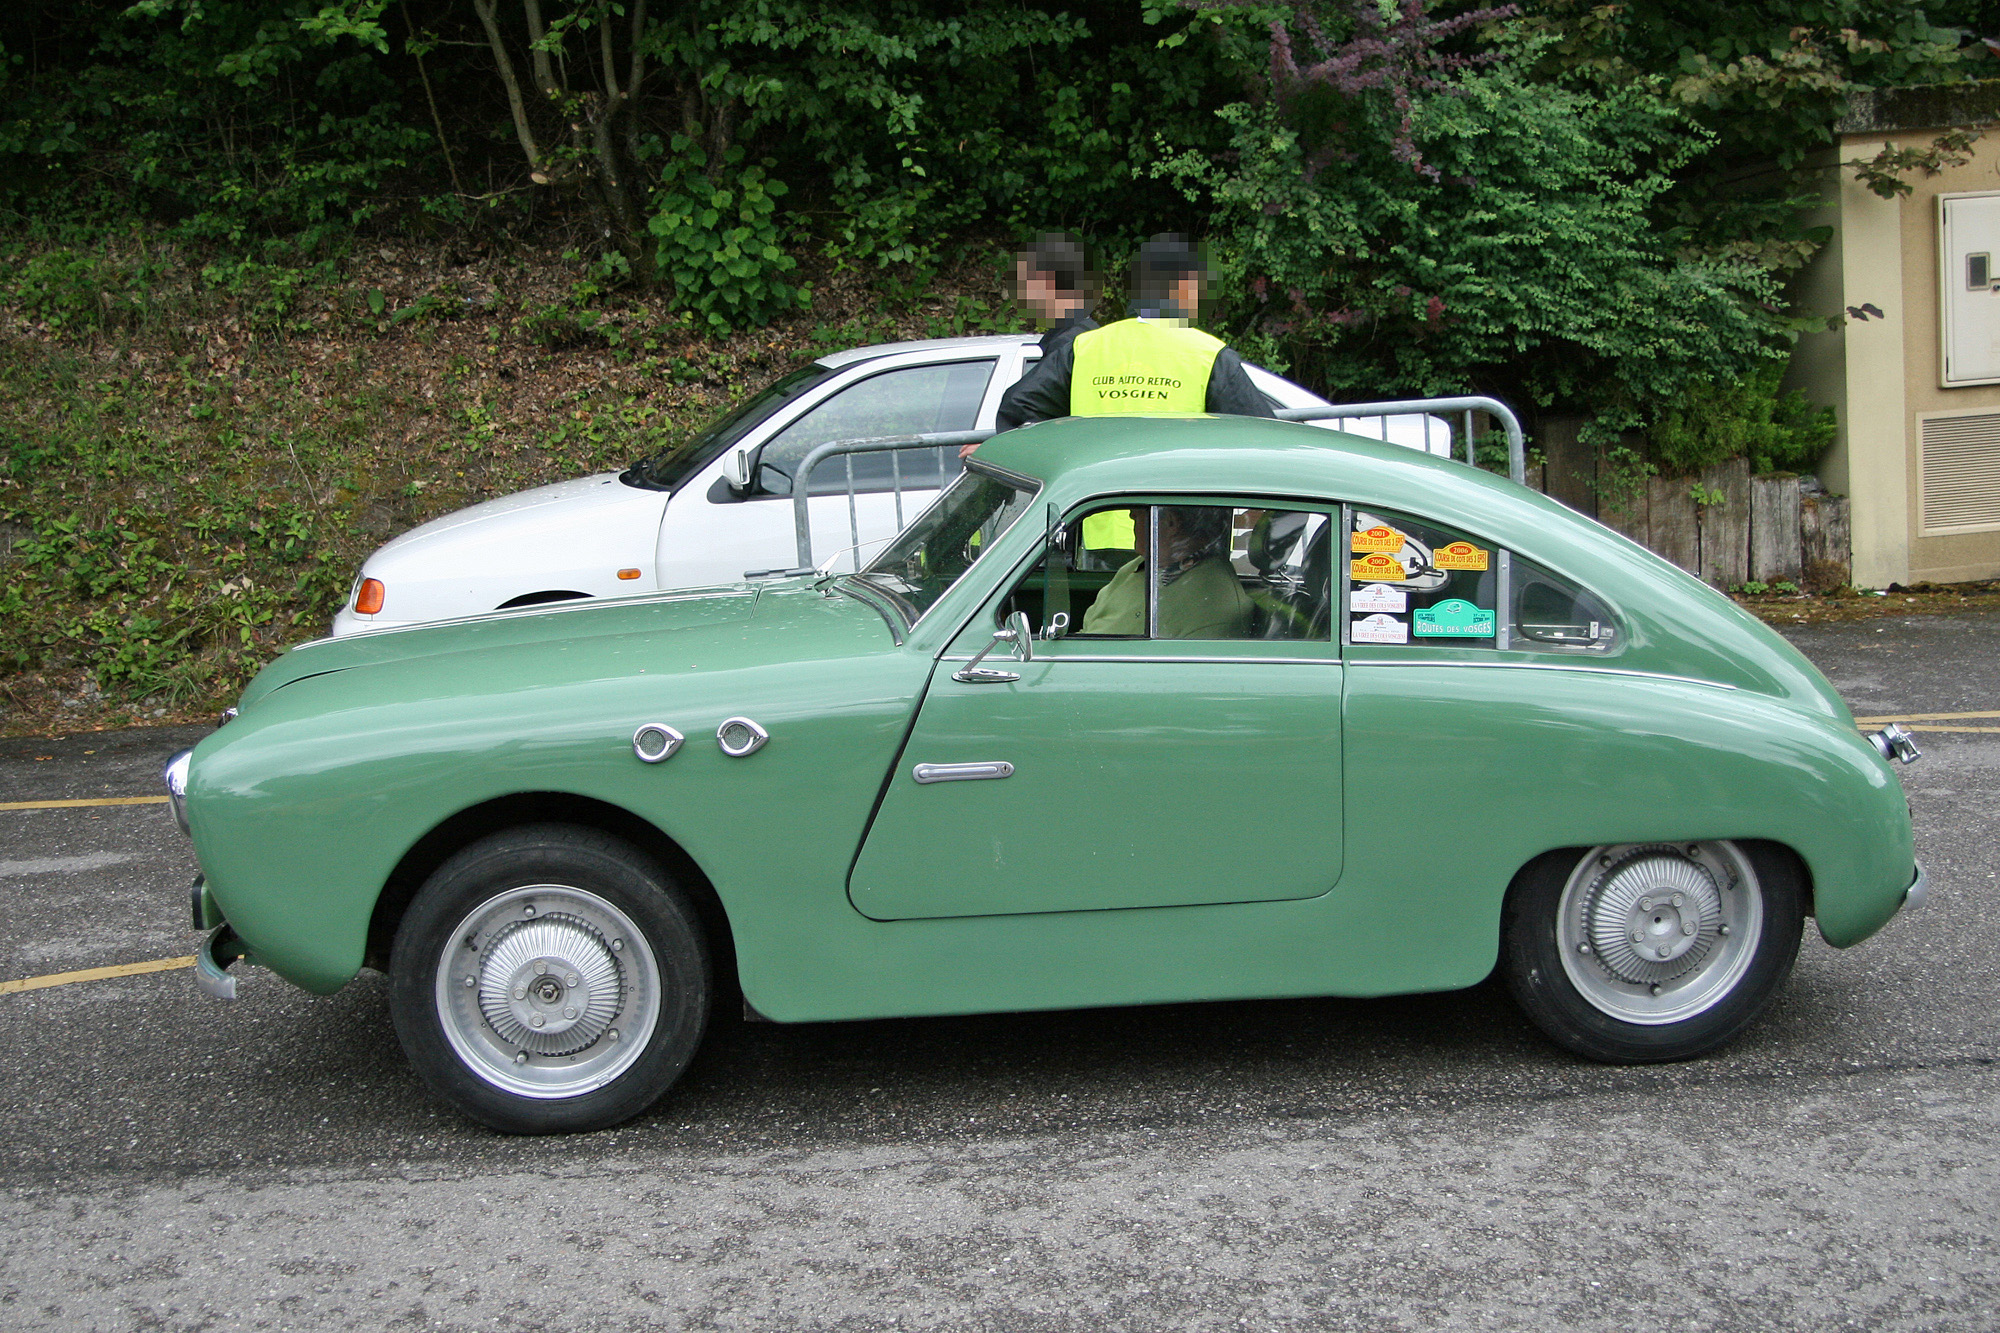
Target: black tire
[
  {"x": 568, "y": 929},
  {"x": 1586, "y": 938}
]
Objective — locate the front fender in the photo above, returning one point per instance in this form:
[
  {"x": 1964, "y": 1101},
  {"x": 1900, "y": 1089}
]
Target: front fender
[{"x": 303, "y": 807}]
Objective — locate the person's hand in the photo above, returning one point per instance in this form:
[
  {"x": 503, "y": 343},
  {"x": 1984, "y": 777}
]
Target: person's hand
[{"x": 965, "y": 450}]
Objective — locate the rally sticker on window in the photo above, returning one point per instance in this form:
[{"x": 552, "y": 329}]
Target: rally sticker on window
[
  {"x": 1457, "y": 617},
  {"x": 1377, "y": 568},
  {"x": 1459, "y": 555},
  {"x": 1379, "y": 538},
  {"x": 1379, "y": 597},
  {"x": 1379, "y": 629}
]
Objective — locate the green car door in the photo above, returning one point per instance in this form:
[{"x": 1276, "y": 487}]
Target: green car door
[{"x": 1179, "y": 744}]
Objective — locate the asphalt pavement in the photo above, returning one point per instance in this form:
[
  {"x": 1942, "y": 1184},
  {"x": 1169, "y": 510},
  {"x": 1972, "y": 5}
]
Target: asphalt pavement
[{"x": 1410, "y": 1163}]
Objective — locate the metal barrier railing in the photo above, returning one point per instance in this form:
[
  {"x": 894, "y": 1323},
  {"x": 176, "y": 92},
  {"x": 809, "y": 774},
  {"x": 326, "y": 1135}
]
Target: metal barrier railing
[
  {"x": 947, "y": 443},
  {"x": 1517, "y": 452}
]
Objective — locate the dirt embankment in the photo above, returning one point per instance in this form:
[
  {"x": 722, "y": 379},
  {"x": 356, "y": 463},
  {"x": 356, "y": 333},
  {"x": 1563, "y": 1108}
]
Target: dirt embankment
[{"x": 198, "y": 457}]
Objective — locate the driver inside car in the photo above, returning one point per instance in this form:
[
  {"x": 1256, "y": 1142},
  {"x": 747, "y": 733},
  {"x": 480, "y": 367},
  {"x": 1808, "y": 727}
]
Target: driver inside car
[{"x": 1200, "y": 595}]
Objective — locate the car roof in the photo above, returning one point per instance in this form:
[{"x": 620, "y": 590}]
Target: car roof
[
  {"x": 1080, "y": 457},
  {"x": 997, "y": 342}
]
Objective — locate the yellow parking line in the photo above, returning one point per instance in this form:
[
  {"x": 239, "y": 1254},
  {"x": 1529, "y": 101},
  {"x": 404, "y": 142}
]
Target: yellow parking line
[
  {"x": 1920, "y": 717},
  {"x": 95, "y": 974},
  {"x": 99, "y": 800},
  {"x": 1926, "y": 726}
]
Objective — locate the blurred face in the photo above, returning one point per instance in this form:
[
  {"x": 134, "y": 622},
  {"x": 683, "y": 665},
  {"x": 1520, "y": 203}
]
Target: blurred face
[{"x": 1037, "y": 291}]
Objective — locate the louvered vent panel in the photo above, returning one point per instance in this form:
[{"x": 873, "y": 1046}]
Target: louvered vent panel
[{"x": 1961, "y": 473}]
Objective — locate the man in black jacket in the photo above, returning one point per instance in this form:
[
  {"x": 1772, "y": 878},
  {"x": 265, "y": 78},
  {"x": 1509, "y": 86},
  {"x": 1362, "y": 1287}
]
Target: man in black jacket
[
  {"x": 1054, "y": 280},
  {"x": 1167, "y": 280}
]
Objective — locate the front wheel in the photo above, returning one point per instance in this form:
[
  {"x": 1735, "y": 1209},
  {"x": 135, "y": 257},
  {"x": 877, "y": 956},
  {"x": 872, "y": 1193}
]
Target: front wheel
[
  {"x": 1643, "y": 952},
  {"x": 549, "y": 979}
]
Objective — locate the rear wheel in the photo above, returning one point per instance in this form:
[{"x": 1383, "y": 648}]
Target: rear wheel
[
  {"x": 1642, "y": 952},
  {"x": 549, "y": 979}
]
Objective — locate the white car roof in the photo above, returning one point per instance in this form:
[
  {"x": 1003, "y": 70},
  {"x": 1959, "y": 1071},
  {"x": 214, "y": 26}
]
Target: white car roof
[{"x": 998, "y": 342}]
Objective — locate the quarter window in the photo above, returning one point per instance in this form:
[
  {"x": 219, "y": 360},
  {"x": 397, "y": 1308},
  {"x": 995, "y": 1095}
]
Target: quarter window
[{"x": 1412, "y": 581}]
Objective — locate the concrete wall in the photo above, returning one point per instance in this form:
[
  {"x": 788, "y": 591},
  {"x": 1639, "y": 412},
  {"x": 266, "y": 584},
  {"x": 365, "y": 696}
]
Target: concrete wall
[{"x": 1881, "y": 375}]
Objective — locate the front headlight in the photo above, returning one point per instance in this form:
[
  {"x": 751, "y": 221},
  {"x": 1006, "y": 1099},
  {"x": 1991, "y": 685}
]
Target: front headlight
[{"x": 177, "y": 782}]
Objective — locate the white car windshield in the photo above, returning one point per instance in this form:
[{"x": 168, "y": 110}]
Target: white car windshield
[
  {"x": 671, "y": 466},
  {"x": 934, "y": 552}
]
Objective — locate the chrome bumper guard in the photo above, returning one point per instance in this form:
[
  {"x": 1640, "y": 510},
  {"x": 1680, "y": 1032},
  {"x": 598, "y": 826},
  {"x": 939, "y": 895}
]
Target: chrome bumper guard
[
  {"x": 217, "y": 952},
  {"x": 1919, "y": 886}
]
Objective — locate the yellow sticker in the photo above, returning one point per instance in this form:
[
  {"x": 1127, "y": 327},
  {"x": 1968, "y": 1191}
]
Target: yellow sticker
[
  {"x": 1378, "y": 538},
  {"x": 1376, "y": 568},
  {"x": 1459, "y": 555}
]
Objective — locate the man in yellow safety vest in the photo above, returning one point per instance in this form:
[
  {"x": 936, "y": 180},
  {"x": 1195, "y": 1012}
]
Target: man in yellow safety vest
[{"x": 1152, "y": 364}]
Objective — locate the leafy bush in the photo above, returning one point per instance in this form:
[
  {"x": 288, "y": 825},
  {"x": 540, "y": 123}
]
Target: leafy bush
[
  {"x": 1747, "y": 418},
  {"x": 718, "y": 238}
]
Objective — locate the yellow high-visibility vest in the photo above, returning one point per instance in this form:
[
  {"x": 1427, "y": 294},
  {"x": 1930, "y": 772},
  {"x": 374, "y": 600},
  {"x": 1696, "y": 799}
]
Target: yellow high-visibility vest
[{"x": 1141, "y": 367}]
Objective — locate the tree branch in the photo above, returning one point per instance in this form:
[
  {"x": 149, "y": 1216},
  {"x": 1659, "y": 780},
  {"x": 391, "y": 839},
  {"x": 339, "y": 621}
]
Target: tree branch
[{"x": 485, "y": 8}]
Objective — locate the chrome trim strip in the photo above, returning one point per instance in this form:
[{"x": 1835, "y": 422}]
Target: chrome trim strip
[
  {"x": 1083, "y": 657},
  {"x": 974, "y": 772},
  {"x": 1919, "y": 890},
  {"x": 1550, "y": 666},
  {"x": 887, "y": 612},
  {"x": 217, "y": 952},
  {"x": 669, "y": 742}
]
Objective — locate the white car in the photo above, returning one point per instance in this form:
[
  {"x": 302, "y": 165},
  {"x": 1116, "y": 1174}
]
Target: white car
[{"x": 720, "y": 509}]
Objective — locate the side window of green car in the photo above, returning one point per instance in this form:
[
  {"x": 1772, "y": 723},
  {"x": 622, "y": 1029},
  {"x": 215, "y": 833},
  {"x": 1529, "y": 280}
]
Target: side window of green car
[
  {"x": 1414, "y": 581},
  {"x": 1225, "y": 571}
]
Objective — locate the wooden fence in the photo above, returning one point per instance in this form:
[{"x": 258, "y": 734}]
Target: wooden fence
[{"x": 1723, "y": 525}]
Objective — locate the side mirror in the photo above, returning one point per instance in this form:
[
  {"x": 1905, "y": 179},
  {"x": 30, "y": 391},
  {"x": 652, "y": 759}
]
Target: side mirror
[
  {"x": 736, "y": 470},
  {"x": 1016, "y": 633}
]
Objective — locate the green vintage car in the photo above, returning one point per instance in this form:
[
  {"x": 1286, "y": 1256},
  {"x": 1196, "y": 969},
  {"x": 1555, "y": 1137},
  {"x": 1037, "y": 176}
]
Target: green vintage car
[{"x": 1139, "y": 711}]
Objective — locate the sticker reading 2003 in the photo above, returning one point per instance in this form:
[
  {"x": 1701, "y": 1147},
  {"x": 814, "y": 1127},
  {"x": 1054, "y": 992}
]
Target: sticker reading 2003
[{"x": 1381, "y": 537}]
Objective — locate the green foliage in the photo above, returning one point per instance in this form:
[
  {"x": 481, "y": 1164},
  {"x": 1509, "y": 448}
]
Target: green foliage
[
  {"x": 718, "y": 238},
  {"x": 77, "y": 291},
  {"x": 1746, "y": 418},
  {"x": 1532, "y": 264}
]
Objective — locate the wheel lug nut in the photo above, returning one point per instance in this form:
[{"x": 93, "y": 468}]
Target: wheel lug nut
[
  {"x": 470, "y": 981},
  {"x": 1655, "y": 988},
  {"x": 1583, "y": 948},
  {"x": 529, "y": 910},
  {"x": 520, "y": 992},
  {"x": 1680, "y": 900},
  {"x": 571, "y": 979},
  {"x": 1645, "y": 904},
  {"x": 538, "y": 1020},
  {"x": 520, "y": 1057},
  {"x": 569, "y": 1013},
  {"x": 617, "y": 944},
  {"x": 1722, "y": 930},
  {"x": 612, "y": 1035}
]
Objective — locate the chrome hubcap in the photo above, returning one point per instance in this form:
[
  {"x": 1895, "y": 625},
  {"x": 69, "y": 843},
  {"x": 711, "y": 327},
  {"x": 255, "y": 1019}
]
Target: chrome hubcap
[
  {"x": 548, "y": 991},
  {"x": 1657, "y": 933}
]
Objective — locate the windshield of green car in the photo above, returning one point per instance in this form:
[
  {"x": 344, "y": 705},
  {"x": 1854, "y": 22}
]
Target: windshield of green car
[
  {"x": 667, "y": 469},
  {"x": 935, "y": 551}
]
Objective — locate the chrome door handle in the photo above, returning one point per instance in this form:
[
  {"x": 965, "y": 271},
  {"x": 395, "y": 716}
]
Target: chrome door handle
[{"x": 990, "y": 768}]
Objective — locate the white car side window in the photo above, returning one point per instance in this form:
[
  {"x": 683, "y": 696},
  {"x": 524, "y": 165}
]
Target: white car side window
[{"x": 912, "y": 400}]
